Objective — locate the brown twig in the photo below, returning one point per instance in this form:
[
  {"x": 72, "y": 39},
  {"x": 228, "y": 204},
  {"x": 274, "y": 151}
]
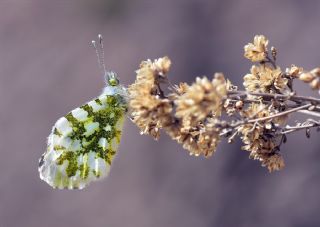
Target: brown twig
[
  {"x": 231, "y": 126},
  {"x": 279, "y": 114},
  {"x": 268, "y": 96},
  {"x": 289, "y": 129}
]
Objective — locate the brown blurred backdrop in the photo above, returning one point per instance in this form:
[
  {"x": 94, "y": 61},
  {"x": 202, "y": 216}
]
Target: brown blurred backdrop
[{"x": 47, "y": 68}]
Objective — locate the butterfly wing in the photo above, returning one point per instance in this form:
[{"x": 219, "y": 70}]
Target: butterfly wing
[{"x": 83, "y": 143}]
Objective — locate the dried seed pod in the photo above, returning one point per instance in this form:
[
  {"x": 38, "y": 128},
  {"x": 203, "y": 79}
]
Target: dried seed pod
[
  {"x": 306, "y": 77},
  {"x": 315, "y": 83},
  {"x": 308, "y": 133},
  {"x": 316, "y": 72},
  {"x": 311, "y": 108},
  {"x": 274, "y": 53},
  {"x": 284, "y": 139},
  {"x": 239, "y": 104},
  {"x": 294, "y": 71},
  {"x": 268, "y": 126}
]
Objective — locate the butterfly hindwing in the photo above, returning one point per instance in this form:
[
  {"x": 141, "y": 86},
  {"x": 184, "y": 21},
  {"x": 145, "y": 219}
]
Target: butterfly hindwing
[{"x": 83, "y": 143}]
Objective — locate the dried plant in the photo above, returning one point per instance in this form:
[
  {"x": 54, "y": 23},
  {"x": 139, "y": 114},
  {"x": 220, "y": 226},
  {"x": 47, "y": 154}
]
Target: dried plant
[{"x": 199, "y": 115}]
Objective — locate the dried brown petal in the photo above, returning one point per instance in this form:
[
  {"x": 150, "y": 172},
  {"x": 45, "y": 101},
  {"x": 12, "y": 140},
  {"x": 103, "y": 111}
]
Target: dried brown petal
[
  {"x": 178, "y": 90},
  {"x": 294, "y": 71}
]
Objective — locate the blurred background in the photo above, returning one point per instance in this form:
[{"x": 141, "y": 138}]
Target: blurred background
[{"x": 47, "y": 68}]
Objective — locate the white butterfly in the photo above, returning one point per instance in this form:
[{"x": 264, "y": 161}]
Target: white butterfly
[{"x": 83, "y": 143}]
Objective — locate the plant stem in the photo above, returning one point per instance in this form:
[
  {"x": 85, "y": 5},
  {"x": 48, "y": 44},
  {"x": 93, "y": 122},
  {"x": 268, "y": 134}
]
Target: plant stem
[
  {"x": 311, "y": 113},
  {"x": 232, "y": 126},
  {"x": 290, "y": 129},
  {"x": 294, "y": 98},
  {"x": 279, "y": 114},
  {"x": 272, "y": 62}
]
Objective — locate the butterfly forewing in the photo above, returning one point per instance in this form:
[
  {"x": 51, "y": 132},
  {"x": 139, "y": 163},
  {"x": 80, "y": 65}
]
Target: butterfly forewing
[{"x": 83, "y": 143}]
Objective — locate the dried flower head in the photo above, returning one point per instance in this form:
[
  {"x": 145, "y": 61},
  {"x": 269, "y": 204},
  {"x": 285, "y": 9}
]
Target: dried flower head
[
  {"x": 198, "y": 140},
  {"x": 260, "y": 137},
  {"x": 202, "y": 98},
  {"x": 256, "y": 51},
  {"x": 161, "y": 65},
  {"x": 229, "y": 106},
  {"x": 149, "y": 112},
  {"x": 197, "y": 116},
  {"x": 274, "y": 162},
  {"x": 209, "y": 138},
  {"x": 264, "y": 78}
]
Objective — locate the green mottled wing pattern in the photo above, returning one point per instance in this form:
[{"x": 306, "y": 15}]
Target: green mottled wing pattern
[{"x": 83, "y": 143}]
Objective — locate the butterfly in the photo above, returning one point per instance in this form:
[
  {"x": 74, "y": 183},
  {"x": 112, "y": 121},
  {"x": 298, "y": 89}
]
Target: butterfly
[{"x": 83, "y": 143}]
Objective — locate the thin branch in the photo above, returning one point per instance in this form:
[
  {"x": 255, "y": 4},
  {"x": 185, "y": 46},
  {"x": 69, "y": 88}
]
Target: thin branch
[
  {"x": 272, "y": 62},
  {"x": 280, "y": 114},
  {"x": 239, "y": 123},
  {"x": 311, "y": 113},
  {"x": 289, "y": 129},
  {"x": 294, "y": 98}
]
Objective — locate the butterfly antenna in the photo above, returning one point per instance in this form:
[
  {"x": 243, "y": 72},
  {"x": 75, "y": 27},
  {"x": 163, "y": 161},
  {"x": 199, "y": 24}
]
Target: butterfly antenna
[
  {"x": 94, "y": 44},
  {"x": 102, "y": 53},
  {"x": 110, "y": 77}
]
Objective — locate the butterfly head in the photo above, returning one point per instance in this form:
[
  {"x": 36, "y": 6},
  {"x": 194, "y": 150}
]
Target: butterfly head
[
  {"x": 113, "y": 86},
  {"x": 111, "y": 79}
]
